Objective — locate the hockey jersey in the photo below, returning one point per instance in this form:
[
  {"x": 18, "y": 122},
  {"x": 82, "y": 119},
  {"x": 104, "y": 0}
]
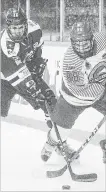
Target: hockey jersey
[
  {"x": 14, "y": 56},
  {"x": 75, "y": 93}
]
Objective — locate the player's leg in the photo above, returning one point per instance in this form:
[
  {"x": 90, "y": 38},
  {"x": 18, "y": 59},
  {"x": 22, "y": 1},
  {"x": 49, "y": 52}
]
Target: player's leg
[
  {"x": 7, "y": 93},
  {"x": 64, "y": 115},
  {"x": 101, "y": 107}
]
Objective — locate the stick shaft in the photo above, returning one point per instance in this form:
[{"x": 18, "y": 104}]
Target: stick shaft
[{"x": 89, "y": 138}]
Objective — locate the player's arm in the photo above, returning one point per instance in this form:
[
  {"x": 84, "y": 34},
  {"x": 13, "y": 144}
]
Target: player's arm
[
  {"x": 38, "y": 47},
  {"x": 37, "y": 63},
  {"x": 35, "y": 32}
]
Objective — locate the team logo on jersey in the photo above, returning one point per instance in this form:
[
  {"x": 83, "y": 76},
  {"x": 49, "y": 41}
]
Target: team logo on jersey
[
  {"x": 10, "y": 46},
  {"x": 98, "y": 73},
  {"x": 94, "y": 68}
]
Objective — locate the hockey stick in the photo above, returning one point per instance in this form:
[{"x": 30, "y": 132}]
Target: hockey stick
[
  {"x": 81, "y": 178},
  {"x": 58, "y": 173}
]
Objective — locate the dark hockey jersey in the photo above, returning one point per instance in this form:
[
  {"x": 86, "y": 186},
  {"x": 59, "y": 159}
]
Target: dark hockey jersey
[
  {"x": 15, "y": 56},
  {"x": 80, "y": 94}
]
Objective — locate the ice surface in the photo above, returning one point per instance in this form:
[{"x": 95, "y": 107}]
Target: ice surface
[{"x": 23, "y": 170}]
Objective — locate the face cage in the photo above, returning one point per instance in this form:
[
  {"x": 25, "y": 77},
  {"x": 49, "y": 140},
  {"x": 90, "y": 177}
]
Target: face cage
[
  {"x": 83, "y": 48},
  {"x": 17, "y": 35}
]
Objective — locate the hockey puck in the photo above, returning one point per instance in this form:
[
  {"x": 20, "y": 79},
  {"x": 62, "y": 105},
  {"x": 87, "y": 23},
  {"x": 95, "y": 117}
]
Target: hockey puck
[{"x": 66, "y": 187}]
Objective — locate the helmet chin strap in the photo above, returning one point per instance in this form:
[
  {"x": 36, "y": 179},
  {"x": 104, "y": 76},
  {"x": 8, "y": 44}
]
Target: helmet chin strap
[{"x": 85, "y": 54}]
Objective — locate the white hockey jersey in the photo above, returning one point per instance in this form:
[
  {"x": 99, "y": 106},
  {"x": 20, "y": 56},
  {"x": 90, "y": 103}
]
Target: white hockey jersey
[{"x": 74, "y": 93}]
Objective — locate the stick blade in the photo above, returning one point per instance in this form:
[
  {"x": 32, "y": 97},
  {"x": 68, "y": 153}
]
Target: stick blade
[
  {"x": 53, "y": 174},
  {"x": 85, "y": 177}
]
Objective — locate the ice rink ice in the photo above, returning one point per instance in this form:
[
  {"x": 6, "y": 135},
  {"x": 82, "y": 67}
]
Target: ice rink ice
[{"x": 21, "y": 166}]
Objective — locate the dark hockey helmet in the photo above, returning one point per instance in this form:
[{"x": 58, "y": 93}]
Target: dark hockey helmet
[
  {"x": 82, "y": 39},
  {"x": 17, "y": 26}
]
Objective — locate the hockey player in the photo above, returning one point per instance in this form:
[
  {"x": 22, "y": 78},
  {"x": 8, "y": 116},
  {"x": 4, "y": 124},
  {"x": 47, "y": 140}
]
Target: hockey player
[
  {"x": 22, "y": 65},
  {"x": 77, "y": 92}
]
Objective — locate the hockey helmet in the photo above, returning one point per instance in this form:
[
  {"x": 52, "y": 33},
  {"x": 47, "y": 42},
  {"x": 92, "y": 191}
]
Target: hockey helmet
[
  {"x": 16, "y": 24},
  {"x": 82, "y": 39}
]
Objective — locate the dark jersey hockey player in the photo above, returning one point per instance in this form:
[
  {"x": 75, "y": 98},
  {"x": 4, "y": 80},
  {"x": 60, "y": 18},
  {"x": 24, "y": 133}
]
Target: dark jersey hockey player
[
  {"x": 22, "y": 65},
  {"x": 82, "y": 84}
]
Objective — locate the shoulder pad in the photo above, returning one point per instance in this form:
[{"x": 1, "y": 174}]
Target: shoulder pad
[
  {"x": 1, "y": 33},
  {"x": 32, "y": 26}
]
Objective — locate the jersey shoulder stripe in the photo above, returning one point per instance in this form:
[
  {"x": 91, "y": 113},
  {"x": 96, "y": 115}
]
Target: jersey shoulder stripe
[{"x": 32, "y": 26}]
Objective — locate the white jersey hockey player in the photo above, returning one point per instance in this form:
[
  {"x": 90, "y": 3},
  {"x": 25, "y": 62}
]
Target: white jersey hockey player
[{"x": 83, "y": 82}]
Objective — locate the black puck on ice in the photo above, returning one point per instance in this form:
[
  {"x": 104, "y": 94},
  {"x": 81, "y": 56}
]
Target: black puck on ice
[{"x": 66, "y": 187}]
